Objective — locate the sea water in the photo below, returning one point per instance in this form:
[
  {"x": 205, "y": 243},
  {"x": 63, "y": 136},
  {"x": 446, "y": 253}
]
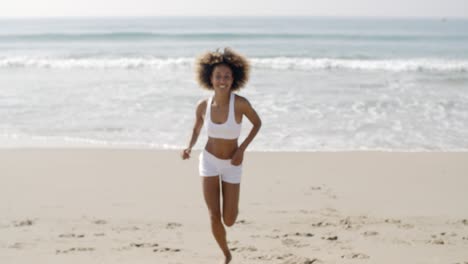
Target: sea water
[{"x": 318, "y": 84}]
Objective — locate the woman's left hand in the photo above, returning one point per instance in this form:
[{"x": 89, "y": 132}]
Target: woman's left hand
[{"x": 238, "y": 157}]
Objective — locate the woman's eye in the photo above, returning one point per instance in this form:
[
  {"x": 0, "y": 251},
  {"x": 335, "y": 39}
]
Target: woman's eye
[{"x": 221, "y": 77}]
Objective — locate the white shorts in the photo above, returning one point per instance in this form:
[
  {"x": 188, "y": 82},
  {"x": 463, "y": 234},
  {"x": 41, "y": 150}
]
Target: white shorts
[{"x": 210, "y": 165}]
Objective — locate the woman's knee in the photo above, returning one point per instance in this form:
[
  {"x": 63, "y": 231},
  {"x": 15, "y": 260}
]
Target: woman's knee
[
  {"x": 215, "y": 216},
  {"x": 229, "y": 219}
]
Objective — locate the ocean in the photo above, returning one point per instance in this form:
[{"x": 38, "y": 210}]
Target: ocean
[{"x": 319, "y": 84}]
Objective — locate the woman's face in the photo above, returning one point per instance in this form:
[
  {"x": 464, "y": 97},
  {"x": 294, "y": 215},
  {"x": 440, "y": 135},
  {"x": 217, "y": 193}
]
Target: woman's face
[{"x": 221, "y": 78}]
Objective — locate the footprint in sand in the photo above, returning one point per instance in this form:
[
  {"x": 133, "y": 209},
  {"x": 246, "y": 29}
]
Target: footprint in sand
[
  {"x": 301, "y": 260},
  {"x": 437, "y": 241},
  {"x": 122, "y": 248},
  {"x": 311, "y": 261},
  {"x": 143, "y": 245},
  {"x": 290, "y": 242},
  {"x": 244, "y": 249},
  {"x": 441, "y": 234},
  {"x": 155, "y": 247},
  {"x": 330, "y": 238},
  {"x": 27, "y": 222},
  {"x": 17, "y": 245},
  {"x": 166, "y": 249},
  {"x": 293, "y": 243},
  {"x": 77, "y": 249},
  {"x": 273, "y": 257},
  {"x": 346, "y": 223},
  {"x": 293, "y": 259},
  {"x": 353, "y": 222},
  {"x": 441, "y": 238},
  {"x": 406, "y": 226},
  {"x": 392, "y": 221},
  {"x": 330, "y": 212},
  {"x": 100, "y": 222},
  {"x": 304, "y": 234},
  {"x": 355, "y": 256},
  {"x": 346, "y": 248},
  {"x": 242, "y": 222},
  {"x": 288, "y": 259},
  {"x": 325, "y": 190},
  {"x": 71, "y": 235},
  {"x": 323, "y": 224},
  {"x": 299, "y": 234},
  {"x": 370, "y": 233},
  {"x": 173, "y": 225},
  {"x": 126, "y": 228}
]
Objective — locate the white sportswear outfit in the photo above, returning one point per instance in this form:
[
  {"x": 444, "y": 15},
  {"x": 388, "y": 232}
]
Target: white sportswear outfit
[{"x": 211, "y": 165}]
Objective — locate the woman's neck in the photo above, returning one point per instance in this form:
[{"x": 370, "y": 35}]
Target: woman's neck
[{"x": 221, "y": 98}]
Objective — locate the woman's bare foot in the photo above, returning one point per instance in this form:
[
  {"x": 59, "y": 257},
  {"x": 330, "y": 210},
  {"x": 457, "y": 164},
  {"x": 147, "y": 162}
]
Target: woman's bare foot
[{"x": 228, "y": 258}]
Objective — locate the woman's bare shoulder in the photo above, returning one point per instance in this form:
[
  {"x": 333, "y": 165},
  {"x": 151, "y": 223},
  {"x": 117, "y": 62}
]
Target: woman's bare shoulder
[
  {"x": 201, "y": 106},
  {"x": 202, "y": 102},
  {"x": 242, "y": 101}
]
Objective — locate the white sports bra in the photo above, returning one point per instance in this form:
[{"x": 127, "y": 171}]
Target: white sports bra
[{"x": 227, "y": 130}]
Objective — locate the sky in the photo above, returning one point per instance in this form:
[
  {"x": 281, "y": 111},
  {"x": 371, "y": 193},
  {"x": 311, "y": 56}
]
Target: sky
[{"x": 367, "y": 8}]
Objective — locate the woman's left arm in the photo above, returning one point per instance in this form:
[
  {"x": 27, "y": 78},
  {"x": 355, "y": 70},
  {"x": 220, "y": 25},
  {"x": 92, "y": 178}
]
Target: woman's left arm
[{"x": 247, "y": 110}]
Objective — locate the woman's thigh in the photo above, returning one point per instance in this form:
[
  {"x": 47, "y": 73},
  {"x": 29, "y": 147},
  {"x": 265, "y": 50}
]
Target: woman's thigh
[
  {"x": 231, "y": 193},
  {"x": 211, "y": 193}
]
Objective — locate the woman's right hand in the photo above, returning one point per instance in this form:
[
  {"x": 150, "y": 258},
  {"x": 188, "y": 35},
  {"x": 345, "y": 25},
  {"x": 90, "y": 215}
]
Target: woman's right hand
[{"x": 186, "y": 153}]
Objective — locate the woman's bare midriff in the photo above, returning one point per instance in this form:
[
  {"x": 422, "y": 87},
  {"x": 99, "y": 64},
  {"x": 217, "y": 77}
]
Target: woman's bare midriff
[{"x": 221, "y": 148}]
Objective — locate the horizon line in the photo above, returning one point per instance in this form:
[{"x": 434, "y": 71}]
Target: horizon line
[{"x": 236, "y": 16}]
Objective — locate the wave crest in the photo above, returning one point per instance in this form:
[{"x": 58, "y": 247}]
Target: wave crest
[{"x": 276, "y": 63}]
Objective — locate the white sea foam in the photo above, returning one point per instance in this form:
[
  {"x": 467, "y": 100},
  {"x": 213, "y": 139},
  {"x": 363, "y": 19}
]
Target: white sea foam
[
  {"x": 92, "y": 63},
  {"x": 277, "y": 63},
  {"x": 395, "y": 65}
]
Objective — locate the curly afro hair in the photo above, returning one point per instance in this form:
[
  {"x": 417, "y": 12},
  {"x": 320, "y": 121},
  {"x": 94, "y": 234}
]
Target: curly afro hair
[{"x": 206, "y": 63}]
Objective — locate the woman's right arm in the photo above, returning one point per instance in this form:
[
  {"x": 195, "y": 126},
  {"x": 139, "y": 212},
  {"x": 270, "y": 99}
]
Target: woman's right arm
[{"x": 199, "y": 118}]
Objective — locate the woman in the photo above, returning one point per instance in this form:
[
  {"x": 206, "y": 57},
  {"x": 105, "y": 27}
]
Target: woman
[{"x": 224, "y": 73}]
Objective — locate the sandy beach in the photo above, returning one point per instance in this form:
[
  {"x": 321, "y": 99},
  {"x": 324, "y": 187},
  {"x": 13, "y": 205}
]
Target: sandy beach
[{"x": 146, "y": 206}]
